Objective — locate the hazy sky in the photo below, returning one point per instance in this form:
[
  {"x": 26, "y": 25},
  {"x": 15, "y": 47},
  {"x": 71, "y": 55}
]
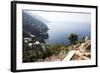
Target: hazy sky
[{"x": 64, "y": 16}]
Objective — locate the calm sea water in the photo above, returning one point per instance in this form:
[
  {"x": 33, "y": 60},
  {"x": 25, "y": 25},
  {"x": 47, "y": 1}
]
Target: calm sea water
[{"x": 59, "y": 31}]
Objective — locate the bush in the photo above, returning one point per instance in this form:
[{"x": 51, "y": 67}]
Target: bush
[{"x": 73, "y": 38}]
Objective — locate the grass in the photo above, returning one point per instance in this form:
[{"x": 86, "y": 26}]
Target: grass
[{"x": 55, "y": 49}]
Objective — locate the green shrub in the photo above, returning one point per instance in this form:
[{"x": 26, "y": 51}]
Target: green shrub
[{"x": 73, "y": 38}]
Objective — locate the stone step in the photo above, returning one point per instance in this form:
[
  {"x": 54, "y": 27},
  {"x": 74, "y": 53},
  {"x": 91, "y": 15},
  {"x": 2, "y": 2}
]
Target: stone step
[{"x": 69, "y": 56}]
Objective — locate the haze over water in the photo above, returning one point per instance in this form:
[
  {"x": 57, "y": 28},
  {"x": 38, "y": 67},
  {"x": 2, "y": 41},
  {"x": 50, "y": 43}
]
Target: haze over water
[{"x": 59, "y": 31}]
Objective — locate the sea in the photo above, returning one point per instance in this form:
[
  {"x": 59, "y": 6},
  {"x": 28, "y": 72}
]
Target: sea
[{"x": 59, "y": 31}]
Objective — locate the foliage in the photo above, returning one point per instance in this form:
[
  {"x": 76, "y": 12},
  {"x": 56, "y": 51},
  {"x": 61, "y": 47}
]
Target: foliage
[
  {"x": 32, "y": 53},
  {"x": 35, "y": 55},
  {"x": 55, "y": 49},
  {"x": 73, "y": 38}
]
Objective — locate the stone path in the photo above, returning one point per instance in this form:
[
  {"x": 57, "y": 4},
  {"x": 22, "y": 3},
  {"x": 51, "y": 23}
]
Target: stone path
[
  {"x": 69, "y": 56},
  {"x": 80, "y": 53},
  {"x": 77, "y": 53}
]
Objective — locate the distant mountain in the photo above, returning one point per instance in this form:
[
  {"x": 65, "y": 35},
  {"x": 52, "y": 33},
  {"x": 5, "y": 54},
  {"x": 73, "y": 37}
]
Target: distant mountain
[{"x": 35, "y": 25}]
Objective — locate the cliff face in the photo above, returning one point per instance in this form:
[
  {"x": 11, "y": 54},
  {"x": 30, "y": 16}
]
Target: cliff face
[
  {"x": 34, "y": 24},
  {"x": 34, "y": 34}
]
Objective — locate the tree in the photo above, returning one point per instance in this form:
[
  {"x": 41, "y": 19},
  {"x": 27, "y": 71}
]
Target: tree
[{"x": 73, "y": 38}]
